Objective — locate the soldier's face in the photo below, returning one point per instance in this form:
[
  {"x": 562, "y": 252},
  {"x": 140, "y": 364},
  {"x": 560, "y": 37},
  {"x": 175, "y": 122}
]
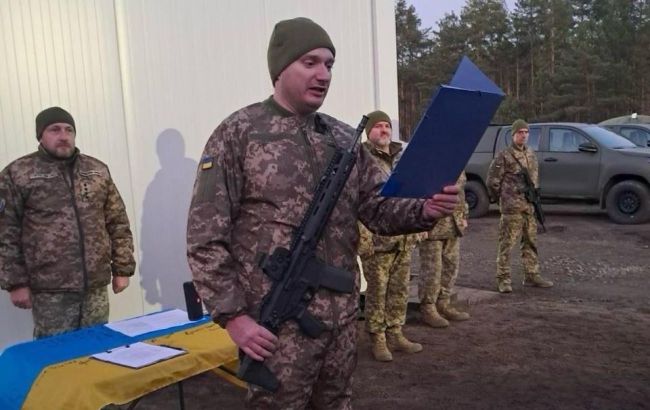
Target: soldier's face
[
  {"x": 380, "y": 135},
  {"x": 520, "y": 137},
  {"x": 58, "y": 140},
  {"x": 302, "y": 87}
]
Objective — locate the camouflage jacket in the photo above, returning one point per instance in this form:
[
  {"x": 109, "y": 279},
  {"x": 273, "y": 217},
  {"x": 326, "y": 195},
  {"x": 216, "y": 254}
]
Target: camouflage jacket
[
  {"x": 63, "y": 226},
  {"x": 370, "y": 243},
  {"x": 254, "y": 183},
  {"x": 505, "y": 181},
  {"x": 453, "y": 225}
]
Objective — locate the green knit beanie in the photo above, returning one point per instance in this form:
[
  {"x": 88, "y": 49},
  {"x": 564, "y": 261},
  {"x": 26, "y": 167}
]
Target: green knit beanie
[
  {"x": 375, "y": 117},
  {"x": 50, "y": 116},
  {"x": 293, "y": 38},
  {"x": 517, "y": 125}
]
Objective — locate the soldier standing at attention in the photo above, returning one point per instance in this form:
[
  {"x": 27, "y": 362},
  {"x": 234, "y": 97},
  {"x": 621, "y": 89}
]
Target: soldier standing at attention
[
  {"x": 439, "y": 260},
  {"x": 386, "y": 260},
  {"x": 506, "y": 183},
  {"x": 64, "y": 232},
  {"x": 255, "y": 181}
]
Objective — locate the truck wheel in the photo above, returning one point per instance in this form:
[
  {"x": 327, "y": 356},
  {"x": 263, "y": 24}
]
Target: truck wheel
[
  {"x": 628, "y": 202},
  {"x": 477, "y": 199}
]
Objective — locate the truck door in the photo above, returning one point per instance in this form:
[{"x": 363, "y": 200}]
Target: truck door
[{"x": 564, "y": 170}]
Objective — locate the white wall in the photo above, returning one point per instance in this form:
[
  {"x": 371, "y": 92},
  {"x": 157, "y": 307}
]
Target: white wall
[{"x": 147, "y": 81}]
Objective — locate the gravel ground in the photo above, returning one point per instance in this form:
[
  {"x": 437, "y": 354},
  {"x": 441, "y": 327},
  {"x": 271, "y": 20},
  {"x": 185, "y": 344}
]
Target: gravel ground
[{"x": 583, "y": 344}]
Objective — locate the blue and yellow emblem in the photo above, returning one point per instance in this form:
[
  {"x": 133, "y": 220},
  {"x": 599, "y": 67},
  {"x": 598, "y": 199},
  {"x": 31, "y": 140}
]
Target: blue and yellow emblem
[{"x": 207, "y": 162}]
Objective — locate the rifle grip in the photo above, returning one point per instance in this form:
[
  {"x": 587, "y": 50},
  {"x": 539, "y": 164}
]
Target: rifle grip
[
  {"x": 254, "y": 372},
  {"x": 310, "y": 326}
]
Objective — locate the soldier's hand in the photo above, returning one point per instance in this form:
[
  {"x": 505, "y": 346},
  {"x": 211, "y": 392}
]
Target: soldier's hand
[
  {"x": 464, "y": 223},
  {"x": 21, "y": 297},
  {"x": 441, "y": 205},
  {"x": 120, "y": 283},
  {"x": 256, "y": 341}
]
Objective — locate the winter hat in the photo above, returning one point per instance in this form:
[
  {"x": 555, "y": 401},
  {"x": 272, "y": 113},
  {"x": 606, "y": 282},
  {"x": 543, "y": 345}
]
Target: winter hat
[
  {"x": 518, "y": 124},
  {"x": 375, "y": 117},
  {"x": 50, "y": 116},
  {"x": 291, "y": 39}
]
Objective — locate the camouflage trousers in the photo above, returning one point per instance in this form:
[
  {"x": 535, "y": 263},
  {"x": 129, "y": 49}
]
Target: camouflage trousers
[
  {"x": 313, "y": 373},
  {"x": 511, "y": 227},
  {"x": 387, "y": 274},
  {"x": 59, "y": 312},
  {"x": 439, "y": 260}
]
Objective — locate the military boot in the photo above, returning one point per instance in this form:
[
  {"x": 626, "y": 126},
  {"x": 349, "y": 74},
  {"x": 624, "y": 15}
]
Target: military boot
[
  {"x": 379, "y": 349},
  {"x": 504, "y": 285},
  {"x": 449, "y": 312},
  {"x": 398, "y": 342},
  {"x": 431, "y": 317},
  {"x": 536, "y": 279}
]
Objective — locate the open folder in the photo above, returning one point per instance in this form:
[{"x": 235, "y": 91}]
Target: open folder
[
  {"x": 447, "y": 134},
  {"x": 138, "y": 354}
]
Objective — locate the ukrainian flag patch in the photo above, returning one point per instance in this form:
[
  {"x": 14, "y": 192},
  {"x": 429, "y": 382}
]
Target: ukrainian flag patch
[{"x": 207, "y": 162}]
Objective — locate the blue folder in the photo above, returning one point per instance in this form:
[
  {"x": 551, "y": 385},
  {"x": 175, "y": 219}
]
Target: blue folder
[{"x": 447, "y": 134}]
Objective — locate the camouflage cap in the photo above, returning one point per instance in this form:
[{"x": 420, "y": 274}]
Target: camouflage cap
[
  {"x": 50, "y": 116},
  {"x": 291, "y": 39},
  {"x": 375, "y": 117},
  {"x": 518, "y": 125}
]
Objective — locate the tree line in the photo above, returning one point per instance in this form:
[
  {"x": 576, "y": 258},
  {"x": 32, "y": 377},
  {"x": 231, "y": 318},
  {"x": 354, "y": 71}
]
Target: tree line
[{"x": 556, "y": 60}]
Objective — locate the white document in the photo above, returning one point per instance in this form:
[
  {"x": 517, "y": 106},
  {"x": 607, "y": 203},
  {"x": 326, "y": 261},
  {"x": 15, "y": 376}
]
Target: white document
[
  {"x": 149, "y": 323},
  {"x": 138, "y": 354}
]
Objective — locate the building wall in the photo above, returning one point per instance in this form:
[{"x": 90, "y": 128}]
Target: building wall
[{"x": 147, "y": 81}]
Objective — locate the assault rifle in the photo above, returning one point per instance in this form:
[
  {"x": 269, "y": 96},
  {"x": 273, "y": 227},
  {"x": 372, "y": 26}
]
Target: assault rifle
[
  {"x": 297, "y": 272},
  {"x": 532, "y": 196}
]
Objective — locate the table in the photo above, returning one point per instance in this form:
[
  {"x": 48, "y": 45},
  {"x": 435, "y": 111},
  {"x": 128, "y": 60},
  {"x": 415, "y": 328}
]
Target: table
[{"x": 86, "y": 383}]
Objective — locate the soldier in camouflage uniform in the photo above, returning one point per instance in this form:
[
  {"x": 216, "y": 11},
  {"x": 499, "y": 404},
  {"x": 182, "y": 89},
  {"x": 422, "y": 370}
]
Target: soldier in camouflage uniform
[
  {"x": 439, "y": 258},
  {"x": 64, "y": 232},
  {"x": 254, "y": 183},
  {"x": 386, "y": 260},
  {"x": 506, "y": 183}
]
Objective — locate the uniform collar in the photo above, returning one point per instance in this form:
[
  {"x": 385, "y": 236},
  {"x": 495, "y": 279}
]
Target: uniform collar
[
  {"x": 394, "y": 148},
  {"x": 277, "y": 109},
  {"x": 516, "y": 148},
  {"x": 42, "y": 152}
]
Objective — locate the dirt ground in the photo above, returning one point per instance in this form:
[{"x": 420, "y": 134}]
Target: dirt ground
[{"x": 583, "y": 344}]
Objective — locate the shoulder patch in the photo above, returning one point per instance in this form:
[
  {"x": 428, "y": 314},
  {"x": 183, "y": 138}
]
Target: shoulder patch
[
  {"x": 3, "y": 205},
  {"x": 207, "y": 162}
]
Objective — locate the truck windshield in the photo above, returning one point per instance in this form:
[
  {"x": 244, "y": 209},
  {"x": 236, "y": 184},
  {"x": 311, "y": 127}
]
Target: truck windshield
[{"x": 608, "y": 138}]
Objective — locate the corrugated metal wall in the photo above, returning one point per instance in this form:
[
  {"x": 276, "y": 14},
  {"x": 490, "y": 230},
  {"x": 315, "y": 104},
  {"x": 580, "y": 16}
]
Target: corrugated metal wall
[
  {"x": 148, "y": 80},
  {"x": 62, "y": 52}
]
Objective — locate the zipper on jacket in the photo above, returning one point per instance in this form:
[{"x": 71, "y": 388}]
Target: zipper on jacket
[{"x": 82, "y": 240}]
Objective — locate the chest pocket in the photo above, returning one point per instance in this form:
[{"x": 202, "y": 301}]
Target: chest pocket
[
  {"x": 278, "y": 166},
  {"x": 512, "y": 166},
  {"x": 91, "y": 189},
  {"x": 47, "y": 193}
]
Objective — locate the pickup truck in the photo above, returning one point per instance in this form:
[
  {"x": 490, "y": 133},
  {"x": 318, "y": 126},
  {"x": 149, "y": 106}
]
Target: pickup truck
[
  {"x": 639, "y": 134},
  {"x": 577, "y": 162}
]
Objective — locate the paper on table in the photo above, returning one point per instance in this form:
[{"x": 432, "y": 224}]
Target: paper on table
[
  {"x": 150, "y": 323},
  {"x": 138, "y": 354}
]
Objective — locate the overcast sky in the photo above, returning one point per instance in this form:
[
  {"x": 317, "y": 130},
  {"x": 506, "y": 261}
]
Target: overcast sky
[{"x": 430, "y": 11}]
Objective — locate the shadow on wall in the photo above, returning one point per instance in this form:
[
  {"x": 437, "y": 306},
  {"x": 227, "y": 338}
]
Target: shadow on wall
[
  {"x": 163, "y": 261},
  {"x": 16, "y": 324}
]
